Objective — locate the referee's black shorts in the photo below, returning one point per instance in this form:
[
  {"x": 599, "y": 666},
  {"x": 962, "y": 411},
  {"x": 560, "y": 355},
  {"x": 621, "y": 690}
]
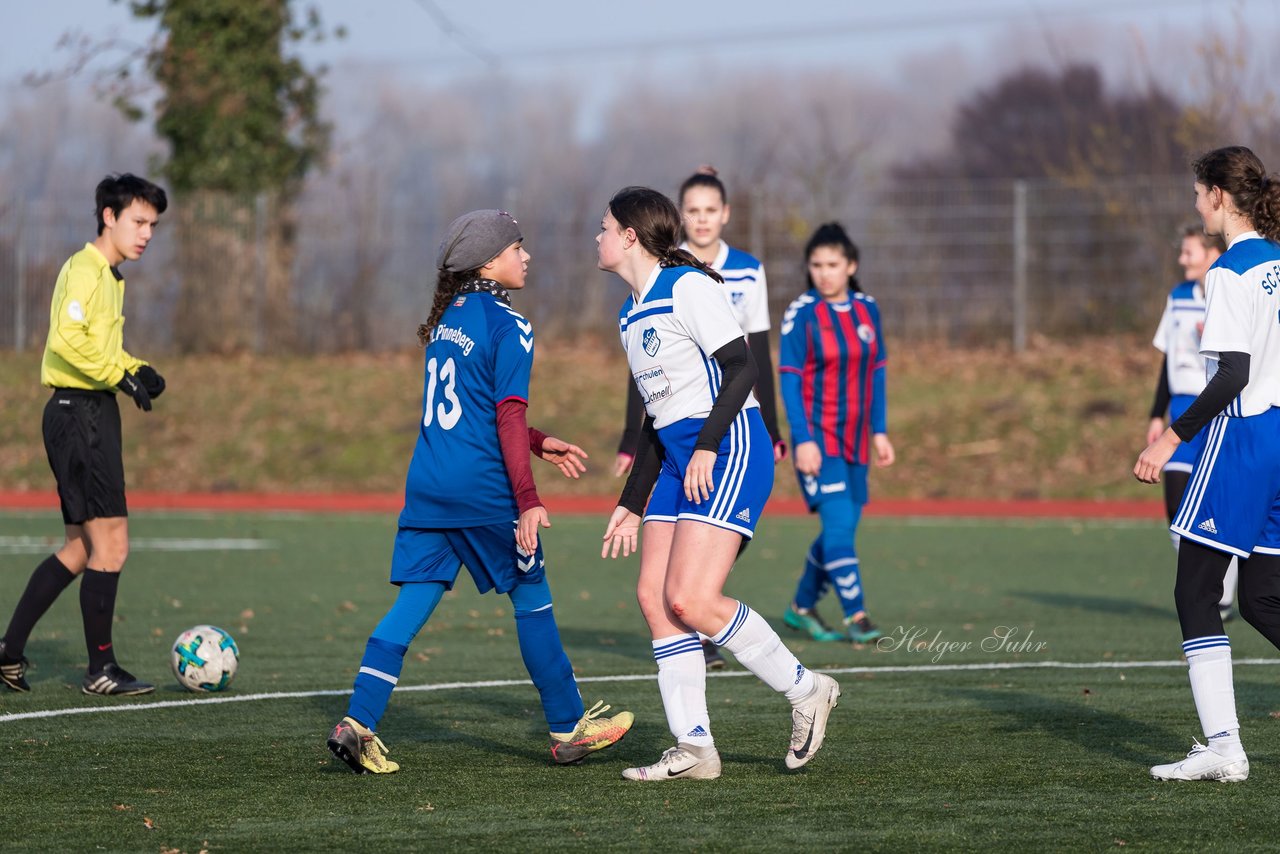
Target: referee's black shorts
[{"x": 82, "y": 441}]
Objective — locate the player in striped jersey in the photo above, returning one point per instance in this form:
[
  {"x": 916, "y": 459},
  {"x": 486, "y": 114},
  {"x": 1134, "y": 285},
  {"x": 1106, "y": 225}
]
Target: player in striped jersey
[
  {"x": 1232, "y": 504},
  {"x": 833, "y": 386},
  {"x": 704, "y": 206},
  {"x": 703, "y": 471},
  {"x": 1182, "y": 375},
  {"x": 470, "y": 498}
]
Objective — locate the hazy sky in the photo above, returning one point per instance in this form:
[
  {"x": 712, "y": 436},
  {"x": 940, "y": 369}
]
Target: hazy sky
[{"x": 431, "y": 40}]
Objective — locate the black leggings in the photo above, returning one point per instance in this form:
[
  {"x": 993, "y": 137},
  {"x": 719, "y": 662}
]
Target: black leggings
[
  {"x": 1199, "y": 589},
  {"x": 1175, "y": 483}
]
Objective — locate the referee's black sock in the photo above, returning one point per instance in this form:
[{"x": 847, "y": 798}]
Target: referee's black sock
[
  {"x": 98, "y": 607},
  {"x": 47, "y": 582}
]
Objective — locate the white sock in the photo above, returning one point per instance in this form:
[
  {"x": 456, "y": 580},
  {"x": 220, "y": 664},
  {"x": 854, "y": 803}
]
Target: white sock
[
  {"x": 759, "y": 649},
  {"x": 1209, "y": 667},
  {"x": 682, "y": 681},
  {"x": 1229, "y": 583}
]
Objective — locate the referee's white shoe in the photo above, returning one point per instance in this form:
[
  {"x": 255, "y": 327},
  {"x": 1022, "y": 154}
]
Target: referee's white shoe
[{"x": 1205, "y": 763}]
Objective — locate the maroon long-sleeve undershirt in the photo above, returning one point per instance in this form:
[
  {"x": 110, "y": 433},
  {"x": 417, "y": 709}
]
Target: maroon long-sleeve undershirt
[{"x": 517, "y": 439}]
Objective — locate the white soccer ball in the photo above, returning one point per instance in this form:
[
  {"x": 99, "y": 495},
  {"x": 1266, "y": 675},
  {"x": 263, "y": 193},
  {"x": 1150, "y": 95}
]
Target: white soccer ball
[{"x": 204, "y": 659}]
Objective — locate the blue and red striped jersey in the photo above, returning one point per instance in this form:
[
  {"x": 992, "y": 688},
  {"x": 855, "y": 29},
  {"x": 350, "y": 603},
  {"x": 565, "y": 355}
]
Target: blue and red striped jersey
[{"x": 832, "y": 368}]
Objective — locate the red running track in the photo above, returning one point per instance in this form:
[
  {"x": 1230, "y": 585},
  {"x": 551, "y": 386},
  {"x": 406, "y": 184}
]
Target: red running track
[{"x": 354, "y": 502}]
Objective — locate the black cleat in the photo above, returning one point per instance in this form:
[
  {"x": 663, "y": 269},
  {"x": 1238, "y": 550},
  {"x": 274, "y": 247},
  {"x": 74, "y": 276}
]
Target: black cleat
[
  {"x": 114, "y": 680},
  {"x": 13, "y": 671}
]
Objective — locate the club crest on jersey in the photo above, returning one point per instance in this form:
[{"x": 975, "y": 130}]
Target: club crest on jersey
[
  {"x": 649, "y": 338},
  {"x": 736, "y": 297},
  {"x": 459, "y": 301},
  {"x": 866, "y": 333}
]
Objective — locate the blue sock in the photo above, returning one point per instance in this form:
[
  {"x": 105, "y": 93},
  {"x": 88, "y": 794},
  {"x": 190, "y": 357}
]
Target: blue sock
[
  {"x": 840, "y": 558},
  {"x": 385, "y": 651},
  {"x": 545, "y": 658},
  {"x": 813, "y": 580}
]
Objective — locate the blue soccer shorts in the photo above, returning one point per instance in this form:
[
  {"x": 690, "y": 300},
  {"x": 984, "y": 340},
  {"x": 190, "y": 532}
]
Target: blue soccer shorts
[
  {"x": 1184, "y": 457},
  {"x": 489, "y": 553},
  {"x": 838, "y": 480},
  {"x": 1232, "y": 502},
  {"x": 742, "y": 477}
]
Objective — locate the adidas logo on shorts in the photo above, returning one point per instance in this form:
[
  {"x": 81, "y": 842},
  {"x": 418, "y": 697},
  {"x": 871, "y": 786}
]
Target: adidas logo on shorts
[
  {"x": 1208, "y": 526},
  {"x": 744, "y": 515}
]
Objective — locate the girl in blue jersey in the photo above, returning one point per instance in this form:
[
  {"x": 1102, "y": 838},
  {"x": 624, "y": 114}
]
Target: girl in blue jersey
[
  {"x": 1232, "y": 504},
  {"x": 833, "y": 387},
  {"x": 470, "y": 497},
  {"x": 702, "y": 473},
  {"x": 704, "y": 206}
]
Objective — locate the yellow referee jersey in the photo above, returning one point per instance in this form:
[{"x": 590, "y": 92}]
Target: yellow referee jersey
[{"x": 86, "y": 326}]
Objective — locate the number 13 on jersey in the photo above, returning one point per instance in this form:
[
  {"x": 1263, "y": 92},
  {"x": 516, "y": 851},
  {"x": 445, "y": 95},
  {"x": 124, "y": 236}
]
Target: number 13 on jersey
[{"x": 449, "y": 409}]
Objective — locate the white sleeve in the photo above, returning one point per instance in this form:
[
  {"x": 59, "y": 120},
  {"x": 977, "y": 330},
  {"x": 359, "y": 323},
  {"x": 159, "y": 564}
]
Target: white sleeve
[
  {"x": 1161, "y": 341},
  {"x": 756, "y": 311},
  {"x": 702, "y": 307},
  {"x": 1228, "y": 314}
]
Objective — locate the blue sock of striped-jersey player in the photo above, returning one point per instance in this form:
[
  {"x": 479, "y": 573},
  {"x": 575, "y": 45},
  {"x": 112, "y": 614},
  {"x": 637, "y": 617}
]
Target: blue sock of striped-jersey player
[
  {"x": 813, "y": 580},
  {"x": 385, "y": 651},
  {"x": 758, "y": 648},
  {"x": 682, "y": 682},
  {"x": 1209, "y": 667},
  {"x": 840, "y": 558},
  {"x": 545, "y": 658}
]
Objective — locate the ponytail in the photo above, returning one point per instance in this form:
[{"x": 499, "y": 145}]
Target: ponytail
[
  {"x": 1238, "y": 172},
  {"x": 678, "y": 257},
  {"x": 447, "y": 285}
]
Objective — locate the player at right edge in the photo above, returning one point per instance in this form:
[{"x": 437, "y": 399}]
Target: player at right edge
[{"x": 1232, "y": 504}]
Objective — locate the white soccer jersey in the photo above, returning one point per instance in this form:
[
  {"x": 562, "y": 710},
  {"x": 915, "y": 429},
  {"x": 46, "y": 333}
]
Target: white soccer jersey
[
  {"x": 745, "y": 283},
  {"x": 1178, "y": 337},
  {"x": 1242, "y": 315},
  {"x": 669, "y": 334}
]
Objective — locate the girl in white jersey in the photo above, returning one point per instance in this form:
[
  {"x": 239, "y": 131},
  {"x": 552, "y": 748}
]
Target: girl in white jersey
[
  {"x": 1182, "y": 375},
  {"x": 704, "y": 207},
  {"x": 1232, "y": 504},
  {"x": 702, "y": 473}
]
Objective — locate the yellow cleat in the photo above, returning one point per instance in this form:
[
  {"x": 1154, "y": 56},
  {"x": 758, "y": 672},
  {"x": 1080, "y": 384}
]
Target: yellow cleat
[
  {"x": 360, "y": 747},
  {"x": 592, "y": 733}
]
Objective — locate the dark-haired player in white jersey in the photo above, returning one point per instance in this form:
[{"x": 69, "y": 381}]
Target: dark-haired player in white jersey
[
  {"x": 1232, "y": 504},
  {"x": 705, "y": 211},
  {"x": 703, "y": 472}
]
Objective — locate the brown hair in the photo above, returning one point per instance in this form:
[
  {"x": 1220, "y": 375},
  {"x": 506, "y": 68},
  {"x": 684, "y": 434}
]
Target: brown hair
[
  {"x": 1196, "y": 229},
  {"x": 657, "y": 225},
  {"x": 1238, "y": 172},
  {"x": 447, "y": 285},
  {"x": 706, "y": 176}
]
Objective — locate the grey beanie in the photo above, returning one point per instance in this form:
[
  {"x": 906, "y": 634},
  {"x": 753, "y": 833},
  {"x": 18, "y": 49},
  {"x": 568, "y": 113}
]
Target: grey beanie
[{"x": 475, "y": 239}]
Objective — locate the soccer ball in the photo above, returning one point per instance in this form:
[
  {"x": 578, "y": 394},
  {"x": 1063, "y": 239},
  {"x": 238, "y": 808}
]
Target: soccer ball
[{"x": 204, "y": 659}]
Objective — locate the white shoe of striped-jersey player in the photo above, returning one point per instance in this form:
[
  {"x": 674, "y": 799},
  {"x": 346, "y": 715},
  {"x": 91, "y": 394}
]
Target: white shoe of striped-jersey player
[
  {"x": 682, "y": 762},
  {"x": 1205, "y": 763}
]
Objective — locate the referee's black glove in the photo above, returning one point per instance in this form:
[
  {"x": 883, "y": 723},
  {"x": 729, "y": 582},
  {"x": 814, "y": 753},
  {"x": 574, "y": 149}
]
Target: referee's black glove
[
  {"x": 151, "y": 381},
  {"x": 132, "y": 386}
]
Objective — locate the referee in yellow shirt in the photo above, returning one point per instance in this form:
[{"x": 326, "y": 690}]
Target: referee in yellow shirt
[{"x": 86, "y": 365}]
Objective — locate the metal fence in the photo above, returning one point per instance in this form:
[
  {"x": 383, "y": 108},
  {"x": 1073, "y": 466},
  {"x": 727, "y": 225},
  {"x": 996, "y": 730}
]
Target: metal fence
[{"x": 957, "y": 263}]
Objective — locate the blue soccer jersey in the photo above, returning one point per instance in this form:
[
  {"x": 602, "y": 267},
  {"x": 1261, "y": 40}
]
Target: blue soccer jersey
[
  {"x": 837, "y": 351},
  {"x": 480, "y": 354}
]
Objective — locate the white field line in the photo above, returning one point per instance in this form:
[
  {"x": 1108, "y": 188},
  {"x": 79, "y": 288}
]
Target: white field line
[
  {"x": 633, "y": 677},
  {"x": 18, "y": 545}
]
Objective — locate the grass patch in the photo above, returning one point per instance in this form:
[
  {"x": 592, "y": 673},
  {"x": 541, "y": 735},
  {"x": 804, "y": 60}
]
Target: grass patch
[
  {"x": 1058, "y": 421},
  {"x": 918, "y": 758}
]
